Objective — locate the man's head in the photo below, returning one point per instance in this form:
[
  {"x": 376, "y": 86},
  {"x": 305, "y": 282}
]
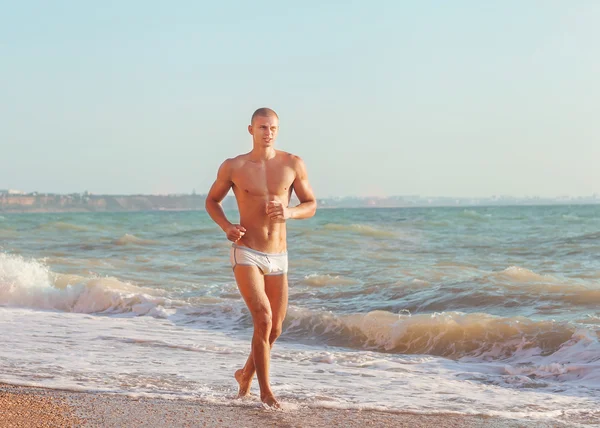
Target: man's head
[
  {"x": 264, "y": 126},
  {"x": 263, "y": 112}
]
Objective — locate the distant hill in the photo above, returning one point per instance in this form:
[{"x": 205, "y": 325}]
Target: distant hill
[
  {"x": 85, "y": 202},
  {"x": 98, "y": 203}
]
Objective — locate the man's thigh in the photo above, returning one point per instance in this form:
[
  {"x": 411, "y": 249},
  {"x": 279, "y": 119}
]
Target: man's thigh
[
  {"x": 251, "y": 283},
  {"x": 276, "y": 289}
]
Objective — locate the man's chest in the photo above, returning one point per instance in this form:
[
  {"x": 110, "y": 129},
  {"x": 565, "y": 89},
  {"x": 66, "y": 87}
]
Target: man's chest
[{"x": 259, "y": 181}]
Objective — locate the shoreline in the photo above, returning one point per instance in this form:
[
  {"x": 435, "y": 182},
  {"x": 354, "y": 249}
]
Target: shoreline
[{"x": 24, "y": 406}]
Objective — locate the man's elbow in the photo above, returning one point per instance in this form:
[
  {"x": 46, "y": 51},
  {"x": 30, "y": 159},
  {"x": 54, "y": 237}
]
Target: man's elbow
[
  {"x": 210, "y": 203},
  {"x": 313, "y": 208}
]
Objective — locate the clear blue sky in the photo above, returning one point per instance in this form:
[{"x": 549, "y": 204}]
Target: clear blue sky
[{"x": 437, "y": 98}]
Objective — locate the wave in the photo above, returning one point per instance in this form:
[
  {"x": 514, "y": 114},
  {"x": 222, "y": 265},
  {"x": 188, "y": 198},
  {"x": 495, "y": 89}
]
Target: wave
[
  {"x": 61, "y": 225},
  {"x": 593, "y": 236},
  {"x": 317, "y": 280},
  {"x": 153, "y": 343},
  {"x": 519, "y": 274},
  {"x": 577, "y": 360},
  {"x": 30, "y": 283},
  {"x": 589, "y": 319},
  {"x": 361, "y": 229},
  {"x": 510, "y": 287},
  {"x": 128, "y": 239},
  {"x": 475, "y": 215},
  {"x": 191, "y": 233},
  {"x": 450, "y": 334},
  {"x": 465, "y": 288},
  {"x": 8, "y": 233},
  {"x": 524, "y": 283}
]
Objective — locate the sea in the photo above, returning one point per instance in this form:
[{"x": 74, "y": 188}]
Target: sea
[{"x": 482, "y": 310}]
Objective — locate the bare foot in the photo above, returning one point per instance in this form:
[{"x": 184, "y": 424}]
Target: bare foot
[
  {"x": 271, "y": 402},
  {"x": 244, "y": 383}
]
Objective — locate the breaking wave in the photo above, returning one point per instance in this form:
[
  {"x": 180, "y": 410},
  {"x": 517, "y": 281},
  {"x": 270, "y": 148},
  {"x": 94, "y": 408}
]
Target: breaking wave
[
  {"x": 450, "y": 334},
  {"x": 30, "y": 283}
]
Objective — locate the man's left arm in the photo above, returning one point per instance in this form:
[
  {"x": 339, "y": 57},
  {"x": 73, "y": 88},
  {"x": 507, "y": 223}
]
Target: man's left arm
[{"x": 304, "y": 192}]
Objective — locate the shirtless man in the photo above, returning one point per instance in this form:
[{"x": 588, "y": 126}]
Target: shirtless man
[{"x": 262, "y": 181}]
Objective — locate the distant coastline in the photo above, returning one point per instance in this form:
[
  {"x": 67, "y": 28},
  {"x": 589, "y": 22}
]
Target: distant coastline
[{"x": 86, "y": 202}]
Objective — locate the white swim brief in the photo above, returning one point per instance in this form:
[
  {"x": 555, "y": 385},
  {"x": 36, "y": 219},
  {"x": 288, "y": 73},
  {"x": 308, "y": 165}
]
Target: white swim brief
[{"x": 269, "y": 264}]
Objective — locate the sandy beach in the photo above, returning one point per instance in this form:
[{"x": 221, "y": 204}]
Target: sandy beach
[{"x": 38, "y": 407}]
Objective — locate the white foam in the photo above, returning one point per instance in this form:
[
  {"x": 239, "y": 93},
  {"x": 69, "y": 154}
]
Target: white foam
[
  {"x": 30, "y": 283},
  {"x": 576, "y": 362},
  {"x": 144, "y": 356}
]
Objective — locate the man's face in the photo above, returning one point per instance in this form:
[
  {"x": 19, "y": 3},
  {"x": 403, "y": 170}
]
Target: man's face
[{"x": 264, "y": 130}]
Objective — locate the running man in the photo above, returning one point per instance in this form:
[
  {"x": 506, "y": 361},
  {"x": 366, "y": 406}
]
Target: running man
[{"x": 262, "y": 182}]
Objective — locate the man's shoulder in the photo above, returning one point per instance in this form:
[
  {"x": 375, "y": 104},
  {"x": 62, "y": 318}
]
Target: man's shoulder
[
  {"x": 236, "y": 161},
  {"x": 289, "y": 158}
]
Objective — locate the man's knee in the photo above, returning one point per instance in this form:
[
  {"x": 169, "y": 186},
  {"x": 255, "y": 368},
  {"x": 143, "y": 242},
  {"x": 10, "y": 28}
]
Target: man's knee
[
  {"x": 275, "y": 332},
  {"x": 263, "y": 322}
]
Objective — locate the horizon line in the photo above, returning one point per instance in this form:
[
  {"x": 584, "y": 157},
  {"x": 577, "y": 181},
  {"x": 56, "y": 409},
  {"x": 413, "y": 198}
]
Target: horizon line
[{"x": 595, "y": 195}]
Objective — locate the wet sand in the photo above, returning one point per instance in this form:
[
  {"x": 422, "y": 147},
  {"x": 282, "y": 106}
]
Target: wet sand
[{"x": 39, "y": 407}]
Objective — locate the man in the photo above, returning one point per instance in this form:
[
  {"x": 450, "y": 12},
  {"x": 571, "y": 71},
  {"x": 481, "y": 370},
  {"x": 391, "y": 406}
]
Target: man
[{"x": 262, "y": 182}]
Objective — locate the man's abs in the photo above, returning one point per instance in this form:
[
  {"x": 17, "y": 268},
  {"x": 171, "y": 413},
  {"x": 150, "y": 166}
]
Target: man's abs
[{"x": 262, "y": 233}]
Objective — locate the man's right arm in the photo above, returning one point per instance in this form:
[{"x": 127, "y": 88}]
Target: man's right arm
[{"x": 216, "y": 194}]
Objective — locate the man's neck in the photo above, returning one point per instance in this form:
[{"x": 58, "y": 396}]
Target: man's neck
[{"x": 262, "y": 154}]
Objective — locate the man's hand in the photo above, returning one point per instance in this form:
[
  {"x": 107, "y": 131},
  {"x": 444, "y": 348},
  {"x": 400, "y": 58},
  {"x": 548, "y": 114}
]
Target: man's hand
[
  {"x": 235, "y": 232},
  {"x": 276, "y": 211}
]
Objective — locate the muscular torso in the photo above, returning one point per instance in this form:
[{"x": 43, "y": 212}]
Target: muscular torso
[{"x": 254, "y": 185}]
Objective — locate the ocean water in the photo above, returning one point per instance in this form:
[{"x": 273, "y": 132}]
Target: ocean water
[{"x": 490, "y": 311}]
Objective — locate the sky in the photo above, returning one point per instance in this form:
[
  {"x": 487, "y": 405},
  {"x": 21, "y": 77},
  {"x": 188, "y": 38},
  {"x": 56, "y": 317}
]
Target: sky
[{"x": 379, "y": 98}]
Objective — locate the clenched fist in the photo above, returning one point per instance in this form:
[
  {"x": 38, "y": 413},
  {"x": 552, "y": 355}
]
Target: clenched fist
[
  {"x": 235, "y": 232},
  {"x": 276, "y": 211}
]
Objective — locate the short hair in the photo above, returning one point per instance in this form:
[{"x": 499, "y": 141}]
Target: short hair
[{"x": 263, "y": 112}]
